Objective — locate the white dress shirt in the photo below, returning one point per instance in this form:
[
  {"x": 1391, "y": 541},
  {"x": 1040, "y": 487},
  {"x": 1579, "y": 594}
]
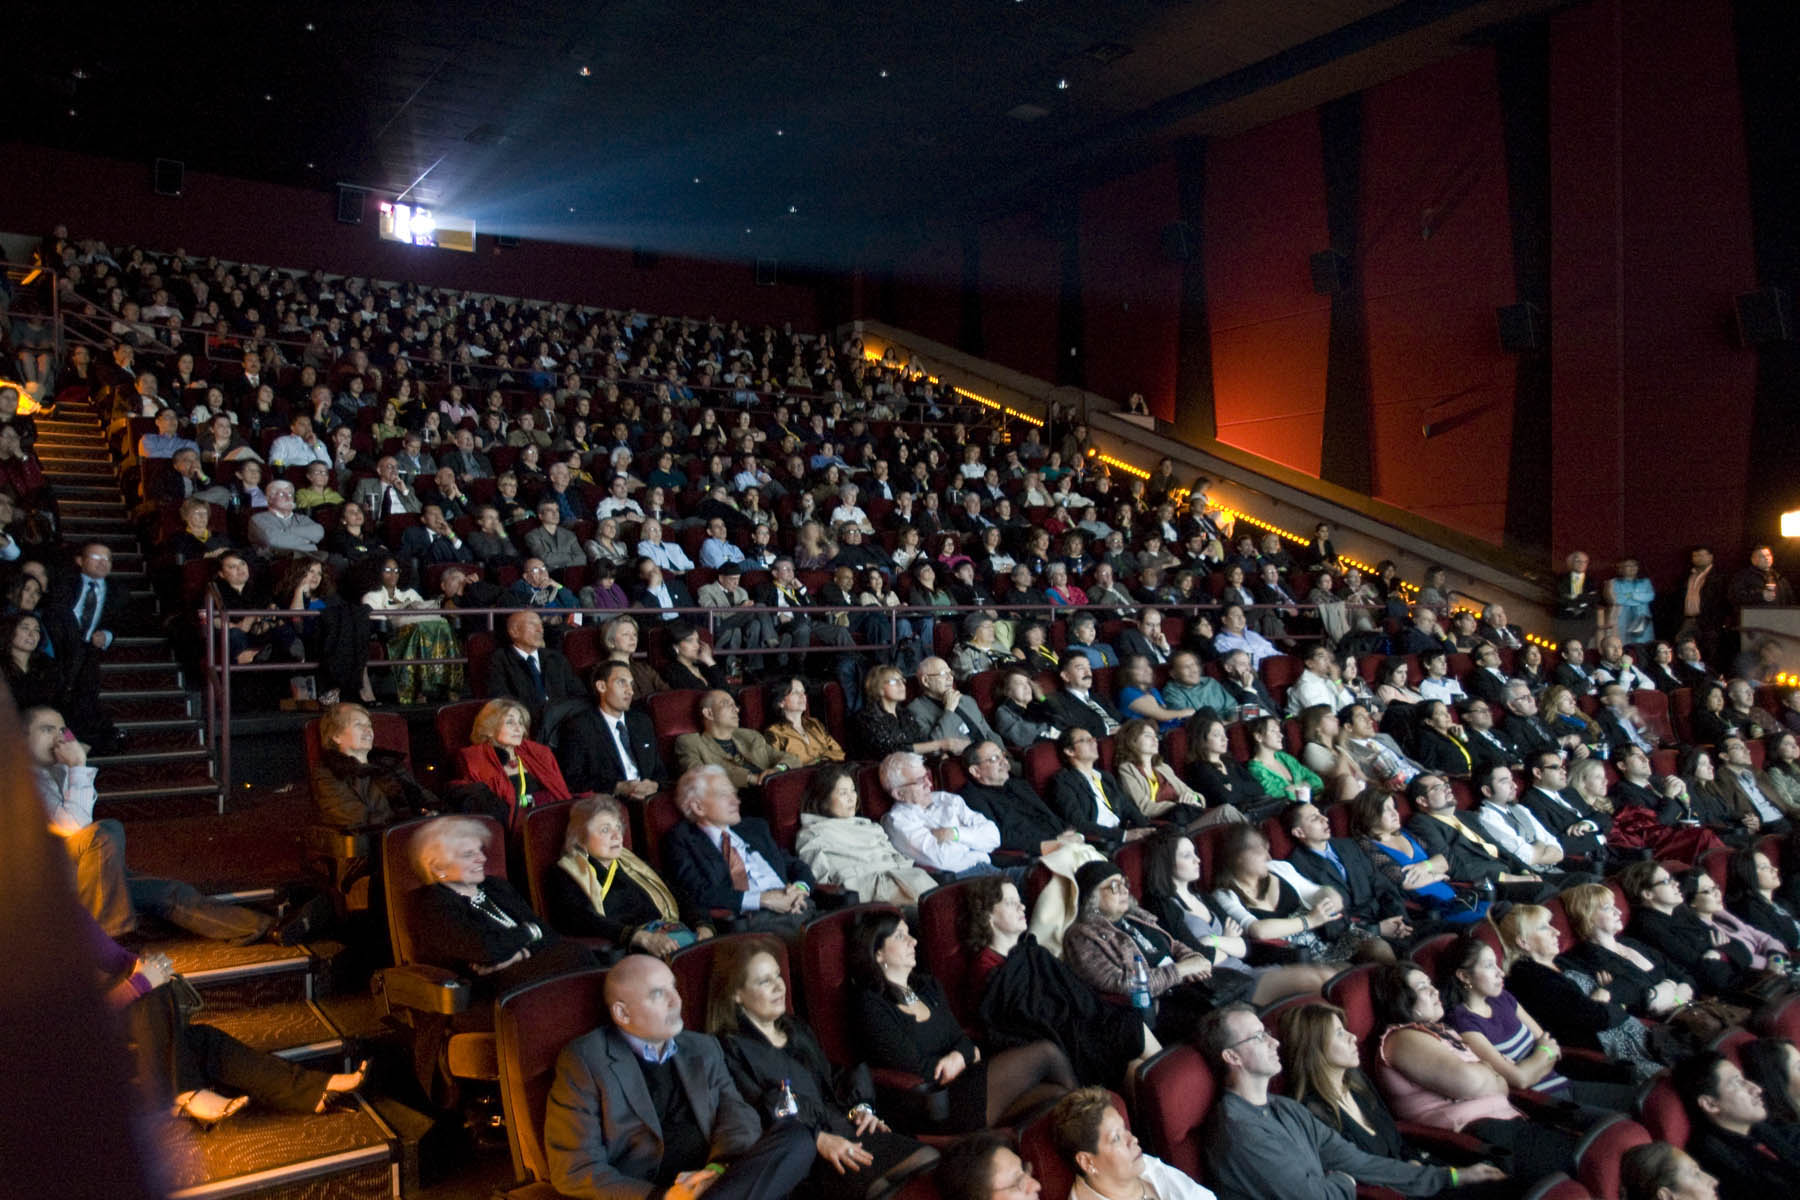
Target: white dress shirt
[{"x": 909, "y": 827}]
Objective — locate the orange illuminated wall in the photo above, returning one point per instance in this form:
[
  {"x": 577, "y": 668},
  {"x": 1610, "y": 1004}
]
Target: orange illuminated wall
[{"x": 1265, "y": 215}]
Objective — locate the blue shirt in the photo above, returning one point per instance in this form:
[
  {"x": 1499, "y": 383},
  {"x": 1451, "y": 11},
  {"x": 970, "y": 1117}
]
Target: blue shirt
[{"x": 647, "y": 1050}]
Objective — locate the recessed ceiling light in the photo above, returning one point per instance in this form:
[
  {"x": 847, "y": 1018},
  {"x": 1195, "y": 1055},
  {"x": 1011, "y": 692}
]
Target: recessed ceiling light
[
  {"x": 309, "y": 166},
  {"x": 781, "y": 133},
  {"x": 79, "y": 73},
  {"x": 884, "y": 74},
  {"x": 746, "y": 229},
  {"x": 310, "y": 27},
  {"x": 1062, "y": 85},
  {"x": 696, "y": 179},
  {"x": 72, "y": 112},
  {"x": 268, "y": 96},
  {"x": 585, "y": 72},
  {"x": 793, "y": 208},
  {"x": 571, "y": 208}
]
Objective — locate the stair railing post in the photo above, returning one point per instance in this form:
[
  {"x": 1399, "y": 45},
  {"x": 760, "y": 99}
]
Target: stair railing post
[{"x": 223, "y": 650}]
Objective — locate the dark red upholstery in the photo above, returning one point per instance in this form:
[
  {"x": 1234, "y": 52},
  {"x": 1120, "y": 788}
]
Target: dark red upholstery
[
  {"x": 673, "y": 714},
  {"x": 531, "y": 1027},
  {"x": 391, "y": 733},
  {"x": 1041, "y": 762},
  {"x": 454, "y": 723},
  {"x": 1037, "y": 1146},
  {"x": 941, "y": 951},
  {"x": 1781, "y": 1019},
  {"x": 782, "y": 796},
  {"x": 1176, "y": 1090},
  {"x": 1349, "y": 989},
  {"x": 660, "y": 816},
  {"x": 1559, "y": 1187},
  {"x": 1597, "y": 1157},
  {"x": 1428, "y": 952},
  {"x": 480, "y": 648},
  {"x": 1661, "y": 1112},
  {"x": 824, "y": 980}
]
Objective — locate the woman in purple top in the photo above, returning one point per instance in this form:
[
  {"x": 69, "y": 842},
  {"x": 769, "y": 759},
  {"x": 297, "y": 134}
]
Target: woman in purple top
[{"x": 1506, "y": 1037}]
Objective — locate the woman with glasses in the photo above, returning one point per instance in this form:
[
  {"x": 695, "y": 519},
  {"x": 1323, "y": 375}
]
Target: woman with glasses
[
  {"x": 415, "y": 631},
  {"x": 1660, "y": 920}
]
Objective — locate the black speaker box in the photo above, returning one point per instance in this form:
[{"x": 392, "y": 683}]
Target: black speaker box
[
  {"x": 166, "y": 177},
  {"x": 350, "y": 205},
  {"x": 1521, "y": 326},
  {"x": 1330, "y": 272},
  {"x": 1764, "y": 316}
]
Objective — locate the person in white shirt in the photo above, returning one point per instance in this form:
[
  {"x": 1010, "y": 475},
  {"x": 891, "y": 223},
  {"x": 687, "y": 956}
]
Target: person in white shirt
[
  {"x": 1616, "y": 666},
  {"x": 1316, "y": 686},
  {"x": 1438, "y": 683},
  {"x": 848, "y": 513},
  {"x": 938, "y": 830},
  {"x": 1109, "y": 1163},
  {"x": 1511, "y": 826},
  {"x": 618, "y": 501}
]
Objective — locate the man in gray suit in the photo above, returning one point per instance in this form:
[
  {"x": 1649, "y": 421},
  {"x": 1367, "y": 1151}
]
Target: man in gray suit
[
  {"x": 944, "y": 711},
  {"x": 642, "y": 1109}
]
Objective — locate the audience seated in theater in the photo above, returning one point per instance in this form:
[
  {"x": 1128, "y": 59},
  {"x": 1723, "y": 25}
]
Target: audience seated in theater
[
  {"x": 794, "y": 731},
  {"x": 1090, "y": 799},
  {"x": 501, "y": 757},
  {"x": 1376, "y": 754},
  {"x": 839, "y": 846},
  {"x": 1576, "y": 1007},
  {"x": 602, "y": 1142},
  {"x": 745, "y": 755},
  {"x": 279, "y": 529},
  {"x": 417, "y": 633},
  {"x": 943, "y": 712},
  {"x": 1645, "y": 982},
  {"x": 1186, "y": 687},
  {"x": 903, "y": 1021},
  {"x": 691, "y": 665},
  {"x": 1754, "y": 892},
  {"x": 1259, "y": 1146},
  {"x": 1731, "y": 1136},
  {"x": 600, "y": 889},
  {"x": 1423, "y": 875},
  {"x": 775, "y": 1059},
  {"x": 1026, "y": 994},
  {"x": 727, "y": 868},
  {"x": 935, "y": 829},
  {"x": 1075, "y": 705},
  {"x": 1105, "y": 1155},
  {"x": 1666, "y": 915},
  {"x": 536, "y": 589},
  {"x": 611, "y": 747},
  {"x": 1235, "y": 635}
]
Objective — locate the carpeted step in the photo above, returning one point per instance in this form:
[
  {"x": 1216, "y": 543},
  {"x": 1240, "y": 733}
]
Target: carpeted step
[{"x": 343, "y": 1155}]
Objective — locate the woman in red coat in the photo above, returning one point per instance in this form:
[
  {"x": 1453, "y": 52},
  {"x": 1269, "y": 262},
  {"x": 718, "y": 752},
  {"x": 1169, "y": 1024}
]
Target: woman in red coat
[{"x": 520, "y": 772}]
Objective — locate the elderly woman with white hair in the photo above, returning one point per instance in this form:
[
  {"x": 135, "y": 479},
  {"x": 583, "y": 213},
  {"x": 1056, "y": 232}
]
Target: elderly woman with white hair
[
  {"x": 467, "y": 921},
  {"x": 601, "y": 889}
]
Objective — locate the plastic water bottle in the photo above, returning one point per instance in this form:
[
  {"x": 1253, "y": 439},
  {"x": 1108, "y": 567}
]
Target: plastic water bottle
[
  {"x": 1140, "y": 984},
  {"x": 787, "y": 1106}
]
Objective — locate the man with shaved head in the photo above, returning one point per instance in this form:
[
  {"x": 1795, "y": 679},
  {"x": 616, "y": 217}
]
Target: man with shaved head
[
  {"x": 529, "y": 671},
  {"x": 643, "y": 1108}
]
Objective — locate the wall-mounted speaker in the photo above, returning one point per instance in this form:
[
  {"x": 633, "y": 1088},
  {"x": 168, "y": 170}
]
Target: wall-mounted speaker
[
  {"x": 765, "y": 272},
  {"x": 1521, "y": 327},
  {"x": 506, "y": 241},
  {"x": 1764, "y": 316},
  {"x": 350, "y": 205},
  {"x": 1330, "y": 272},
  {"x": 167, "y": 176},
  {"x": 1178, "y": 244}
]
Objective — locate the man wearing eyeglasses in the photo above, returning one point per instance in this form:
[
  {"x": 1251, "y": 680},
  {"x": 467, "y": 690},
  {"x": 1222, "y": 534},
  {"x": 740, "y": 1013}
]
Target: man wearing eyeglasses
[
  {"x": 1263, "y": 1147},
  {"x": 938, "y": 830},
  {"x": 943, "y": 711}
]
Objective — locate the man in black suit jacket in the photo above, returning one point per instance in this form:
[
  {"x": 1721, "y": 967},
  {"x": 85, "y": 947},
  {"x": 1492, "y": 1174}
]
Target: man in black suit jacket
[
  {"x": 1488, "y": 747},
  {"x": 1495, "y": 630},
  {"x": 588, "y": 743},
  {"x": 1441, "y": 829},
  {"x": 1075, "y": 704},
  {"x": 510, "y": 670},
  {"x": 98, "y": 604},
  {"x": 1732, "y": 1137},
  {"x": 661, "y": 592},
  {"x": 1485, "y": 679},
  {"x": 1109, "y": 817},
  {"x": 1369, "y": 895},
  {"x": 1146, "y": 638},
  {"x": 1579, "y": 827},
  {"x": 1027, "y": 824},
  {"x": 432, "y": 541},
  {"x": 1572, "y": 672},
  {"x": 726, "y": 868},
  {"x": 798, "y": 630},
  {"x": 641, "y": 1102},
  {"x": 1435, "y": 747}
]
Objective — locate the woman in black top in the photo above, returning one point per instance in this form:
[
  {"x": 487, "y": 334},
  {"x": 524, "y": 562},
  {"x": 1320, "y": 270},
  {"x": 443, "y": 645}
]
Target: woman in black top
[
  {"x": 353, "y": 540},
  {"x": 1215, "y": 774},
  {"x": 883, "y": 726},
  {"x": 1711, "y": 724},
  {"x": 1661, "y": 920},
  {"x": 774, "y": 1057},
  {"x": 1751, "y": 886},
  {"x": 903, "y": 1020},
  {"x": 600, "y": 889},
  {"x": 1578, "y": 1010},
  {"x": 1645, "y": 982}
]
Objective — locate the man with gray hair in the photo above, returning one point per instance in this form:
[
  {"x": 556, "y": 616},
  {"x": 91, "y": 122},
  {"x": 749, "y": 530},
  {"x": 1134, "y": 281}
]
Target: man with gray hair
[
  {"x": 937, "y": 830},
  {"x": 725, "y": 867},
  {"x": 946, "y": 713},
  {"x": 279, "y": 529}
]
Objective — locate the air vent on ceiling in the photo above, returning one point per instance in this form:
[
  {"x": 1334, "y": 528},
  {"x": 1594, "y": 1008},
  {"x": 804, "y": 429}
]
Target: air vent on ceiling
[
  {"x": 1107, "y": 52},
  {"x": 1028, "y": 112},
  {"x": 486, "y": 135}
]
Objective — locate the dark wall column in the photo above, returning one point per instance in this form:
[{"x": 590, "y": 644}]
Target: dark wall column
[
  {"x": 1194, "y": 417},
  {"x": 1522, "y": 62},
  {"x": 969, "y": 337},
  {"x": 1071, "y": 345},
  {"x": 1768, "y": 38},
  {"x": 1344, "y": 455}
]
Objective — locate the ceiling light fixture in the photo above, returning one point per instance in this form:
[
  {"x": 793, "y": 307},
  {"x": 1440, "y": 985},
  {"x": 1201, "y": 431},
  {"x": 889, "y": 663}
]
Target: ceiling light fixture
[
  {"x": 793, "y": 208},
  {"x": 1062, "y": 85},
  {"x": 585, "y": 72},
  {"x": 781, "y": 133},
  {"x": 884, "y": 74},
  {"x": 696, "y": 179},
  {"x": 310, "y": 27},
  {"x": 268, "y": 96}
]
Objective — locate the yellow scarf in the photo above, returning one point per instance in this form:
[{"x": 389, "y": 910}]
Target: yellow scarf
[{"x": 581, "y": 869}]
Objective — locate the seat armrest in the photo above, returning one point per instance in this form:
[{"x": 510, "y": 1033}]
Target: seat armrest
[
  {"x": 917, "y": 1102},
  {"x": 1459, "y": 1149},
  {"x": 427, "y": 989}
]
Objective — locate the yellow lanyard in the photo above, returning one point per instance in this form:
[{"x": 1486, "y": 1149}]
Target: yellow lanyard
[
  {"x": 1154, "y": 783},
  {"x": 524, "y": 800},
  {"x": 612, "y": 869},
  {"x": 1100, "y": 791}
]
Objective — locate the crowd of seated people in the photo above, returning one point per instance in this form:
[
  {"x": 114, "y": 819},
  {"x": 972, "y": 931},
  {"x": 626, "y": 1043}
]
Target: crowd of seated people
[{"x": 1170, "y": 769}]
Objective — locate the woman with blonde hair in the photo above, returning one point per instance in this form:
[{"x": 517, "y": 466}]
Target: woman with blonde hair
[
  {"x": 520, "y": 772},
  {"x": 601, "y": 889},
  {"x": 1577, "y": 1007},
  {"x": 1643, "y": 980},
  {"x": 619, "y": 636}
]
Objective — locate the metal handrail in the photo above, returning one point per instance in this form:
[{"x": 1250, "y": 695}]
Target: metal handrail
[{"x": 218, "y": 667}]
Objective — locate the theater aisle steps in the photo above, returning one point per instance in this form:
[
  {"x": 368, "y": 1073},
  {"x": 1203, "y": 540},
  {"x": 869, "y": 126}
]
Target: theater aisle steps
[
  {"x": 265, "y": 995},
  {"x": 141, "y": 684}
]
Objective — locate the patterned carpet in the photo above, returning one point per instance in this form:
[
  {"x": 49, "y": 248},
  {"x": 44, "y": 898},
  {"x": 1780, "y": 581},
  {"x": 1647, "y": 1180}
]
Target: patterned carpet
[{"x": 254, "y": 1142}]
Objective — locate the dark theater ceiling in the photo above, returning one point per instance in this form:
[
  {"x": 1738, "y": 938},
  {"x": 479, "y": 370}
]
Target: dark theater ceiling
[{"x": 813, "y": 130}]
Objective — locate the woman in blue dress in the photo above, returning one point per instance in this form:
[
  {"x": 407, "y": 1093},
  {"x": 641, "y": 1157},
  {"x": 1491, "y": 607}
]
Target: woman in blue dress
[{"x": 1425, "y": 878}]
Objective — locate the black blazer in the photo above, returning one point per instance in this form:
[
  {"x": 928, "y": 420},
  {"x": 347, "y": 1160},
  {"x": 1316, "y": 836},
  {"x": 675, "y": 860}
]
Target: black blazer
[
  {"x": 1368, "y": 894},
  {"x": 1469, "y": 863},
  {"x": 697, "y": 874},
  {"x": 1684, "y": 939},
  {"x": 1631, "y": 985},
  {"x": 418, "y": 546},
  {"x": 1132, "y": 641},
  {"x": 1073, "y": 801},
  {"x": 1557, "y": 819},
  {"x": 1739, "y": 1163},
  {"x": 66, "y": 590},
  {"x": 1025, "y": 821},
  {"x": 1485, "y": 685},
  {"x": 507, "y": 676},
  {"x": 1492, "y": 749},
  {"x": 589, "y": 755},
  {"x": 678, "y": 593},
  {"x": 1072, "y": 713},
  {"x": 1530, "y": 735},
  {"x": 1441, "y": 753},
  {"x": 1577, "y": 679}
]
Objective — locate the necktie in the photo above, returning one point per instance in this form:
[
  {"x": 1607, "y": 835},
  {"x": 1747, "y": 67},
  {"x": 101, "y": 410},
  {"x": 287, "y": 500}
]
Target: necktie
[
  {"x": 387, "y": 502},
  {"x": 537, "y": 677},
  {"x": 630, "y": 767},
  {"x": 90, "y": 609},
  {"x": 734, "y": 864}
]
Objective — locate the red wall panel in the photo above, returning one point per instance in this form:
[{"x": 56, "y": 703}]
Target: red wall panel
[
  {"x": 928, "y": 293},
  {"x": 292, "y": 227},
  {"x": 1435, "y": 253},
  {"x": 1131, "y": 292},
  {"x": 1651, "y": 241},
  {"x": 1265, "y": 214},
  {"x": 1021, "y": 280}
]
